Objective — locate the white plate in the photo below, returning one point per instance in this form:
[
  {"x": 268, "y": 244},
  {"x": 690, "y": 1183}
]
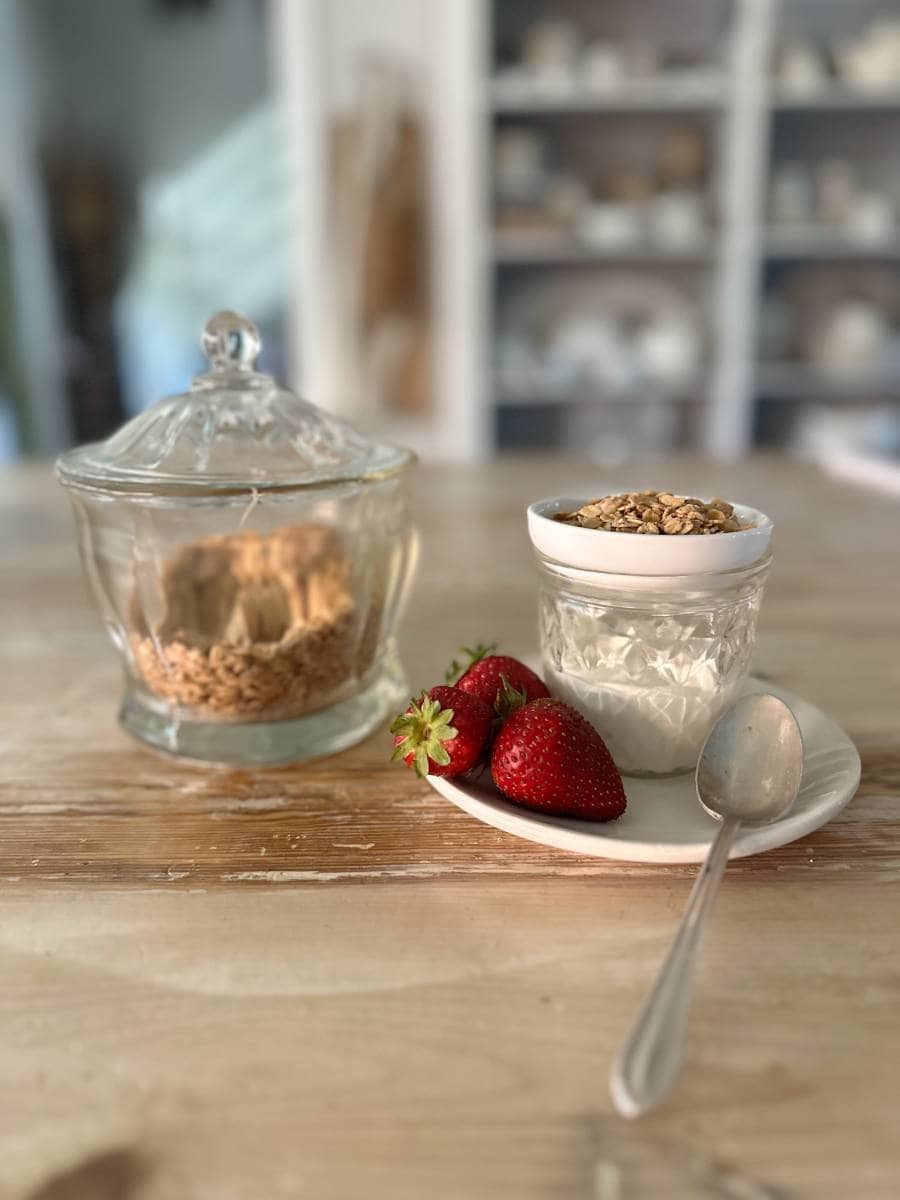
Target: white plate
[{"x": 664, "y": 822}]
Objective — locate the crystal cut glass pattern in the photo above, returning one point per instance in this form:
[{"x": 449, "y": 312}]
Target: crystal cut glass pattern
[{"x": 651, "y": 669}]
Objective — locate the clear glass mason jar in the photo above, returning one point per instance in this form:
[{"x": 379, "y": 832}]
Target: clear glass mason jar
[{"x": 650, "y": 659}]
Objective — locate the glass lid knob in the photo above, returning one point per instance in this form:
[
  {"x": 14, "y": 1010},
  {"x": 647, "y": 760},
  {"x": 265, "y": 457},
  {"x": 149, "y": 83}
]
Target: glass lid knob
[{"x": 231, "y": 342}]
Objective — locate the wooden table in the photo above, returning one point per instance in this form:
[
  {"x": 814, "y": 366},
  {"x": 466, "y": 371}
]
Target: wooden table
[{"x": 325, "y": 981}]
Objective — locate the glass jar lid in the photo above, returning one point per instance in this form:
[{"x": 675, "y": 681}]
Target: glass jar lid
[{"x": 234, "y": 430}]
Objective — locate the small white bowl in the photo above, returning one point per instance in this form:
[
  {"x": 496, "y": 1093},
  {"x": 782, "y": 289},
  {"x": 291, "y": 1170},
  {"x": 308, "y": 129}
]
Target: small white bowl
[{"x": 646, "y": 554}]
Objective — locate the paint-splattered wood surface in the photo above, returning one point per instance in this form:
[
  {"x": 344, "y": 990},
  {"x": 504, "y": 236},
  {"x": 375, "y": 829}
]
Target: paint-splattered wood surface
[{"x": 325, "y": 981}]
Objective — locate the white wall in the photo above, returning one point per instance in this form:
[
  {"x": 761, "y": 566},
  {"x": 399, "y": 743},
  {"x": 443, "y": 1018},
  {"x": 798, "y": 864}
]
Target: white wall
[
  {"x": 120, "y": 80},
  {"x": 148, "y": 89},
  {"x": 22, "y": 206}
]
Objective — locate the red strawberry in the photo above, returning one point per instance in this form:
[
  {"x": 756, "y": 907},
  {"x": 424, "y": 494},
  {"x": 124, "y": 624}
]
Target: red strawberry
[
  {"x": 495, "y": 677},
  {"x": 548, "y": 757},
  {"x": 444, "y": 732}
]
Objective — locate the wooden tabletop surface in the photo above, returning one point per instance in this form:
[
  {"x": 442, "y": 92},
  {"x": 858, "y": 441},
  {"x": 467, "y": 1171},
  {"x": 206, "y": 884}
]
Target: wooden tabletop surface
[{"x": 325, "y": 981}]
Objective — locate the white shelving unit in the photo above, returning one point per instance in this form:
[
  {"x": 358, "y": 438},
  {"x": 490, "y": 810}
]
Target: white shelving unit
[
  {"x": 449, "y": 48},
  {"x": 859, "y": 126},
  {"x": 733, "y": 105}
]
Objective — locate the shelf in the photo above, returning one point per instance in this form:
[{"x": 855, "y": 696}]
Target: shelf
[
  {"x": 835, "y": 99},
  {"x": 823, "y": 243},
  {"x": 650, "y": 99},
  {"x": 800, "y": 382},
  {"x": 690, "y": 391},
  {"x": 539, "y": 249}
]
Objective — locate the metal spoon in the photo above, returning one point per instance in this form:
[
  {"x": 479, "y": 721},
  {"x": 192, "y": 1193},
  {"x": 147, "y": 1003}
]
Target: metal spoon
[{"x": 748, "y": 773}]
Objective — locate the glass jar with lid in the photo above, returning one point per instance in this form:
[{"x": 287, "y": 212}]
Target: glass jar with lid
[
  {"x": 650, "y": 637},
  {"x": 249, "y": 554}
]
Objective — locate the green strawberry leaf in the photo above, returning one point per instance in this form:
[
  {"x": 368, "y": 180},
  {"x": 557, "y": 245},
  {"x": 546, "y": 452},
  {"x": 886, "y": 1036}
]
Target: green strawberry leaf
[{"x": 473, "y": 654}]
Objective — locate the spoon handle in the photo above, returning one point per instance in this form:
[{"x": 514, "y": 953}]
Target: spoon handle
[{"x": 647, "y": 1065}]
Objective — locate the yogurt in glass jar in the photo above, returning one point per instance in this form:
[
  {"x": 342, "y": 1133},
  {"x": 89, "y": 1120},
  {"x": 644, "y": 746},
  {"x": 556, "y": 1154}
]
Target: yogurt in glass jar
[{"x": 650, "y": 637}]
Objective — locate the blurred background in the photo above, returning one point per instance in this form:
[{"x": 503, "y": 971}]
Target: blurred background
[{"x": 621, "y": 226}]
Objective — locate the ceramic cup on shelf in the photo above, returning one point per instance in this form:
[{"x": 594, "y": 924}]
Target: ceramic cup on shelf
[
  {"x": 853, "y": 337},
  {"x": 519, "y": 170},
  {"x": 871, "y": 218},
  {"x": 791, "y": 195},
  {"x": 677, "y": 219},
  {"x": 802, "y": 69},
  {"x": 565, "y": 198},
  {"x": 549, "y": 52},
  {"x": 602, "y": 68},
  {"x": 836, "y": 191},
  {"x": 607, "y": 225},
  {"x": 668, "y": 348},
  {"x": 870, "y": 62}
]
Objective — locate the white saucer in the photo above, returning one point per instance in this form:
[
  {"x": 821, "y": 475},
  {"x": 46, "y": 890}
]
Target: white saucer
[{"x": 664, "y": 822}]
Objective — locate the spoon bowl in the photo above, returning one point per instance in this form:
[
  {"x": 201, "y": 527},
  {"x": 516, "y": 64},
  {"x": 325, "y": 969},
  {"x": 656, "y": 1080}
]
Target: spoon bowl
[{"x": 751, "y": 762}]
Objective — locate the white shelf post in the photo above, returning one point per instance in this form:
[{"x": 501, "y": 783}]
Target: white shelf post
[
  {"x": 745, "y": 139},
  {"x": 298, "y": 37},
  {"x": 460, "y": 187}
]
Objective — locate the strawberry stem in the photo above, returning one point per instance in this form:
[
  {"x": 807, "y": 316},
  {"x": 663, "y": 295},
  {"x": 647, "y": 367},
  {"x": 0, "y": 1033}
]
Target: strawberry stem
[
  {"x": 473, "y": 654},
  {"x": 509, "y": 699}
]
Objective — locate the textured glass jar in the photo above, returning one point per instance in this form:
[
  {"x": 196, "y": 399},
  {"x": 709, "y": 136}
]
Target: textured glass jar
[
  {"x": 249, "y": 555},
  {"x": 650, "y": 659}
]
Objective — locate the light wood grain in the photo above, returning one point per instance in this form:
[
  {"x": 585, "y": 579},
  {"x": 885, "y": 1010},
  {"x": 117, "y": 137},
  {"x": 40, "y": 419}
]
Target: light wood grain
[{"x": 325, "y": 981}]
